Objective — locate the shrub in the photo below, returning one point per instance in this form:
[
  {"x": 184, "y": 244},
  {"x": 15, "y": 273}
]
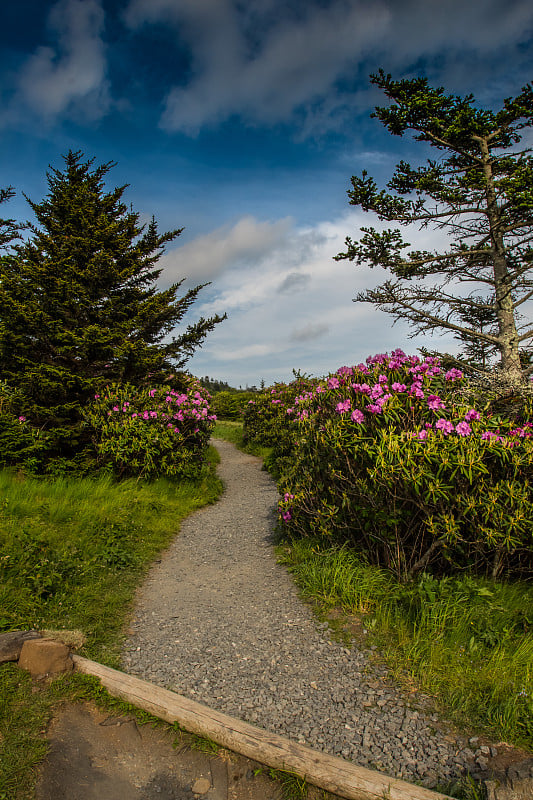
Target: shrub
[
  {"x": 268, "y": 419},
  {"x": 230, "y": 405},
  {"x": 389, "y": 457},
  {"x": 151, "y": 432},
  {"x": 20, "y": 442}
]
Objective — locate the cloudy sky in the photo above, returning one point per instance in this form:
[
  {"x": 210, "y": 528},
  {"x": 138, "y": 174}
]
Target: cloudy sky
[{"x": 242, "y": 121}]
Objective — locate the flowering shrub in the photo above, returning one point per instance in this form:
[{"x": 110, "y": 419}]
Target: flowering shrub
[
  {"x": 389, "y": 456},
  {"x": 269, "y": 417},
  {"x": 153, "y": 431}
]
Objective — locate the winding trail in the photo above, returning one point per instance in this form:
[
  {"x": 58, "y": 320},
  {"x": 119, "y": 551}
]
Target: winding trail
[{"x": 220, "y": 621}]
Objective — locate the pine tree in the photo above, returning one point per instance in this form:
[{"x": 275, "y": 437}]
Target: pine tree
[
  {"x": 8, "y": 227},
  {"x": 479, "y": 191},
  {"x": 78, "y": 301}
]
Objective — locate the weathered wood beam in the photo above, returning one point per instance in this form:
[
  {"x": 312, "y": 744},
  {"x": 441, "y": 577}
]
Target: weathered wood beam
[{"x": 327, "y": 772}]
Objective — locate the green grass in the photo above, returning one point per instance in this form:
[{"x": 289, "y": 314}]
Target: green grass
[
  {"x": 72, "y": 552},
  {"x": 464, "y": 640}
]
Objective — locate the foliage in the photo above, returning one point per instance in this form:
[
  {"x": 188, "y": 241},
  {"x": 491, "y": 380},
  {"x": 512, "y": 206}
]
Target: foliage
[
  {"x": 19, "y": 442},
  {"x": 392, "y": 458},
  {"x": 8, "y": 227},
  {"x": 152, "y": 431},
  {"x": 79, "y": 307},
  {"x": 267, "y": 420},
  {"x": 466, "y": 640},
  {"x": 231, "y": 405},
  {"x": 479, "y": 192}
]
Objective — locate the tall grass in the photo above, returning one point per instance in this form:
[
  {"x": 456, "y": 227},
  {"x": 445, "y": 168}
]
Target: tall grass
[
  {"x": 465, "y": 640},
  {"x": 73, "y": 550}
]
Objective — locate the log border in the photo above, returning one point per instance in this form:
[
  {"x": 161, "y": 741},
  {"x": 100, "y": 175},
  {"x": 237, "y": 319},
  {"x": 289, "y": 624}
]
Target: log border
[{"x": 331, "y": 773}]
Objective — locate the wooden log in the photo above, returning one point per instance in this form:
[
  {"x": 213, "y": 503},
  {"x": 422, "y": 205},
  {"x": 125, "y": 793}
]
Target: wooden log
[
  {"x": 327, "y": 772},
  {"x": 11, "y": 644}
]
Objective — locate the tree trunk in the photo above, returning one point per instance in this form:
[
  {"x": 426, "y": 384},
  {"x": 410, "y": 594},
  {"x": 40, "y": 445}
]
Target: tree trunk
[{"x": 508, "y": 335}]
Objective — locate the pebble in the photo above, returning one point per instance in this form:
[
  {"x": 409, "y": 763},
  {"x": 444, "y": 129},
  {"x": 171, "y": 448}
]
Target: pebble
[{"x": 220, "y": 621}]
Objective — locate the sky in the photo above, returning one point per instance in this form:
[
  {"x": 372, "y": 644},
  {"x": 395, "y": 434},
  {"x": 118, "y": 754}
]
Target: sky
[{"x": 242, "y": 121}]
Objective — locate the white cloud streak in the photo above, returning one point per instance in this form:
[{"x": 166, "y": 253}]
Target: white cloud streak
[
  {"x": 244, "y": 243},
  {"x": 261, "y": 62},
  {"x": 70, "y": 77},
  {"x": 313, "y": 325}
]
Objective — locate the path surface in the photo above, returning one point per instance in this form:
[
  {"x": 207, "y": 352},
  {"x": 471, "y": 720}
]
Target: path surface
[{"x": 220, "y": 621}]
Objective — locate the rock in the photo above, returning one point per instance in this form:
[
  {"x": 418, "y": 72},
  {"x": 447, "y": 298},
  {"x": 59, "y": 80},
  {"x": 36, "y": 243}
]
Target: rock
[
  {"x": 517, "y": 786},
  {"x": 201, "y": 786},
  {"x": 45, "y": 657},
  {"x": 11, "y": 644}
]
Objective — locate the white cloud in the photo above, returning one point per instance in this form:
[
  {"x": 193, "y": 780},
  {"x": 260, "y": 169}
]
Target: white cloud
[
  {"x": 234, "y": 73},
  {"x": 70, "y": 77},
  {"x": 314, "y": 326},
  {"x": 265, "y": 60},
  {"x": 245, "y": 243},
  {"x": 295, "y": 281},
  {"x": 310, "y": 331}
]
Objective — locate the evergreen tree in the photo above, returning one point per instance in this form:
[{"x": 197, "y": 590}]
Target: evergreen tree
[
  {"x": 8, "y": 227},
  {"x": 479, "y": 192},
  {"x": 78, "y": 303}
]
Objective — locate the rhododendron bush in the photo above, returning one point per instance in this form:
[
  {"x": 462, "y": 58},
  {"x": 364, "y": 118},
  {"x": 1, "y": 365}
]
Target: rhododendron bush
[
  {"x": 393, "y": 457},
  {"x": 153, "y": 431},
  {"x": 268, "y": 420}
]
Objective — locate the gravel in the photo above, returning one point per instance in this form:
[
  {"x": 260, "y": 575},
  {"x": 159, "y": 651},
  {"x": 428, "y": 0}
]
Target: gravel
[{"x": 218, "y": 620}]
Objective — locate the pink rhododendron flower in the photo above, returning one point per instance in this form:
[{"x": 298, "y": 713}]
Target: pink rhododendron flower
[
  {"x": 445, "y": 426},
  {"x": 342, "y": 408},
  {"x": 422, "y": 435},
  {"x": 453, "y": 374},
  {"x": 377, "y": 391},
  {"x": 435, "y": 403},
  {"x": 358, "y": 416},
  {"x": 374, "y": 408},
  {"x": 472, "y": 414},
  {"x": 463, "y": 429},
  {"x": 399, "y": 387},
  {"x": 333, "y": 383},
  {"x": 22, "y": 419}
]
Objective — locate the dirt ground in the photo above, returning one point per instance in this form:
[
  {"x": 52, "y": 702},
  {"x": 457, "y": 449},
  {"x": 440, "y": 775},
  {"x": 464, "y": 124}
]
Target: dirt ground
[{"x": 94, "y": 756}]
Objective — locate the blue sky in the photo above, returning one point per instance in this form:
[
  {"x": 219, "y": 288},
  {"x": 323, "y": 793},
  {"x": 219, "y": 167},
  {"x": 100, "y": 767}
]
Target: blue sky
[{"x": 242, "y": 121}]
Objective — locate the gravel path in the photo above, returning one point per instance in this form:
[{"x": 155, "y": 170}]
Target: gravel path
[{"x": 220, "y": 621}]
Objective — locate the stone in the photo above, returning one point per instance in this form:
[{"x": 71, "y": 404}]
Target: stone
[
  {"x": 11, "y": 644},
  {"x": 521, "y": 790},
  {"x": 45, "y": 657},
  {"x": 518, "y": 784},
  {"x": 201, "y": 786}
]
